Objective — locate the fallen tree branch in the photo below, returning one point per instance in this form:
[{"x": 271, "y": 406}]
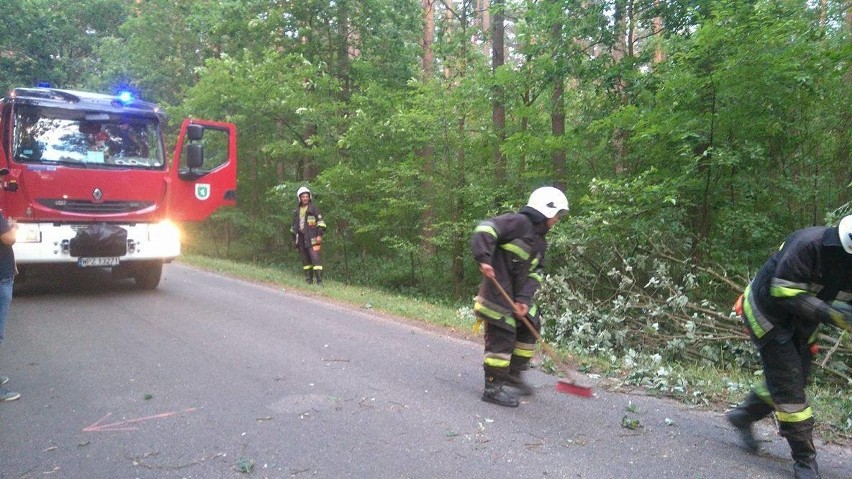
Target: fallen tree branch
[{"x": 833, "y": 349}]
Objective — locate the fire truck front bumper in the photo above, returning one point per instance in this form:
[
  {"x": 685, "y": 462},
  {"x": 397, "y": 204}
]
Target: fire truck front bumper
[{"x": 96, "y": 244}]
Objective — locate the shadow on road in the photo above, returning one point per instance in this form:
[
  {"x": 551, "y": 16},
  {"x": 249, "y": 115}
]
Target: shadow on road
[{"x": 72, "y": 281}]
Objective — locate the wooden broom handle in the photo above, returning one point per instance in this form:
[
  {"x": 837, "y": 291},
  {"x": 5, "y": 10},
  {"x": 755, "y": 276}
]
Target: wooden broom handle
[
  {"x": 514, "y": 307},
  {"x": 550, "y": 352}
]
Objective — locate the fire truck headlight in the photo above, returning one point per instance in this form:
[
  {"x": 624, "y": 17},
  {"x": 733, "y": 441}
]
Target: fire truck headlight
[
  {"x": 164, "y": 232},
  {"x": 28, "y": 233}
]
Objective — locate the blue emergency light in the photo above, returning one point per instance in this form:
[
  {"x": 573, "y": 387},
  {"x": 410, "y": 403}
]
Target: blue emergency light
[{"x": 125, "y": 98}]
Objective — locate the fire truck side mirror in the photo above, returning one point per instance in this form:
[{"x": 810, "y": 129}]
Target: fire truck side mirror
[
  {"x": 195, "y": 132},
  {"x": 195, "y": 156}
]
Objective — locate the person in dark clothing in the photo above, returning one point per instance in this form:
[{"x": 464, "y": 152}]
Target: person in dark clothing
[
  {"x": 807, "y": 282},
  {"x": 510, "y": 248},
  {"x": 126, "y": 141},
  {"x": 307, "y": 229},
  {"x": 8, "y": 230}
]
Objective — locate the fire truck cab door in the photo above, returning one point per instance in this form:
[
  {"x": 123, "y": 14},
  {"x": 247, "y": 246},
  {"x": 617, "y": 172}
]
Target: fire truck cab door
[{"x": 203, "y": 176}]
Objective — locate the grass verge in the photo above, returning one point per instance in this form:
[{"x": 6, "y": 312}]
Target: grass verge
[{"x": 358, "y": 296}]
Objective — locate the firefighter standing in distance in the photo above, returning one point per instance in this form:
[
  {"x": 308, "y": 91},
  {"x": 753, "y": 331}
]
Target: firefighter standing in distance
[
  {"x": 307, "y": 230},
  {"x": 807, "y": 282},
  {"x": 510, "y": 248}
]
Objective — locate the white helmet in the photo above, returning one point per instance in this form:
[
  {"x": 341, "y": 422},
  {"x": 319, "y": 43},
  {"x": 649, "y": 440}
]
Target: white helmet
[
  {"x": 301, "y": 190},
  {"x": 548, "y": 201},
  {"x": 845, "y": 230}
]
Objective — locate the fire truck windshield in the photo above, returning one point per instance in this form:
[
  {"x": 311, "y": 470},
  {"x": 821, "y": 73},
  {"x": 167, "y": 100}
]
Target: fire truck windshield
[{"x": 75, "y": 138}]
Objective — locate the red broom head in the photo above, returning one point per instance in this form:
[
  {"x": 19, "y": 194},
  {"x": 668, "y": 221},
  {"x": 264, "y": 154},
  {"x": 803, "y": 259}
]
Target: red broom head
[{"x": 567, "y": 387}]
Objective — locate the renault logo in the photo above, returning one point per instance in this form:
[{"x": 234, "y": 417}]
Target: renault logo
[{"x": 98, "y": 195}]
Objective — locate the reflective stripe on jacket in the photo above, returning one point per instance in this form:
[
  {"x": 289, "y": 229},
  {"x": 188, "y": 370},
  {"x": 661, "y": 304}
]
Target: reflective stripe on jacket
[
  {"x": 514, "y": 246},
  {"x": 793, "y": 290},
  {"x": 314, "y": 225}
]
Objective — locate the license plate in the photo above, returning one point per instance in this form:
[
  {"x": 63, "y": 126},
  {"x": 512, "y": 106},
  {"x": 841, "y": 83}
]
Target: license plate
[{"x": 96, "y": 262}]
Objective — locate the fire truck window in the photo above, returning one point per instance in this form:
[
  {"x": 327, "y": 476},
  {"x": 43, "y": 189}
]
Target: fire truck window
[
  {"x": 27, "y": 146},
  {"x": 129, "y": 143},
  {"x": 48, "y": 135},
  {"x": 215, "y": 144}
]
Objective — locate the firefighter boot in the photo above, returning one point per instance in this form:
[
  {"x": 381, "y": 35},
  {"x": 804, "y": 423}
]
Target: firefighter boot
[
  {"x": 494, "y": 392},
  {"x": 309, "y": 276},
  {"x": 743, "y": 416},
  {"x": 318, "y": 274},
  {"x": 515, "y": 379},
  {"x": 804, "y": 453},
  {"x": 799, "y": 435}
]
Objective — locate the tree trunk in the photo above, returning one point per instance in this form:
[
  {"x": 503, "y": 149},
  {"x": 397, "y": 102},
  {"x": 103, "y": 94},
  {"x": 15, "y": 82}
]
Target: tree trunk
[
  {"x": 620, "y": 49},
  {"x": 700, "y": 212},
  {"x": 484, "y": 23},
  {"x": 525, "y": 127},
  {"x": 343, "y": 63},
  {"x": 308, "y": 168},
  {"x": 659, "y": 54},
  {"x": 428, "y": 40},
  {"x": 458, "y": 244},
  {"x": 557, "y": 102},
  {"x": 427, "y": 152},
  {"x": 620, "y": 30},
  {"x": 498, "y": 111}
]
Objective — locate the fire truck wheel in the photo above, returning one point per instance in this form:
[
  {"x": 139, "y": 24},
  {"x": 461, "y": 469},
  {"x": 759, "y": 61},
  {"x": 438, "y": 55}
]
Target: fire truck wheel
[{"x": 147, "y": 275}]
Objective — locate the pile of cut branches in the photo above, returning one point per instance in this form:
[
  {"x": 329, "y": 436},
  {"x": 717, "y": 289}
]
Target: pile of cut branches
[{"x": 655, "y": 305}]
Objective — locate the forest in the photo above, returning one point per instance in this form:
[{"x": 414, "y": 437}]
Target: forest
[{"x": 691, "y": 137}]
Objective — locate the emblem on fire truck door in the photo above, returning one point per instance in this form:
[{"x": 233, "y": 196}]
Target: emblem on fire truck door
[{"x": 202, "y": 191}]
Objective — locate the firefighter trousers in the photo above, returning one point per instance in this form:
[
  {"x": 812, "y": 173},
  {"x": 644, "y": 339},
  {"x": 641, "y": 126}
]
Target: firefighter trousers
[
  {"x": 786, "y": 367},
  {"x": 507, "y": 347},
  {"x": 310, "y": 258}
]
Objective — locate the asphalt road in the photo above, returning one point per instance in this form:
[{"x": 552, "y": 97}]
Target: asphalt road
[{"x": 210, "y": 377}]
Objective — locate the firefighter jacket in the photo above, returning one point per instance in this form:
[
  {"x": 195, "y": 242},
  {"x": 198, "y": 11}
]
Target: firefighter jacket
[
  {"x": 799, "y": 287},
  {"x": 305, "y": 230},
  {"x": 514, "y": 245}
]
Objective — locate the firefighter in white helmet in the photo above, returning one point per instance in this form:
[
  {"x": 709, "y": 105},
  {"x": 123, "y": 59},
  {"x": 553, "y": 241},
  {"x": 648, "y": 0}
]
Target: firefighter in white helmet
[
  {"x": 307, "y": 230},
  {"x": 510, "y": 248},
  {"x": 807, "y": 282}
]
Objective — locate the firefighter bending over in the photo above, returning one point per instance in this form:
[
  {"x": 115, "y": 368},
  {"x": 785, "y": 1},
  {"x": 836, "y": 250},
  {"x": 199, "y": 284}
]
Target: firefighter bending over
[
  {"x": 510, "y": 248},
  {"x": 805, "y": 283},
  {"x": 307, "y": 230}
]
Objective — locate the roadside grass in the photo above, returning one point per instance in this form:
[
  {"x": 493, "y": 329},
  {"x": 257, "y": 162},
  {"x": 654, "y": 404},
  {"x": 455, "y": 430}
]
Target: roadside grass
[
  {"x": 358, "y": 296},
  {"x": 695, "y": 384}
]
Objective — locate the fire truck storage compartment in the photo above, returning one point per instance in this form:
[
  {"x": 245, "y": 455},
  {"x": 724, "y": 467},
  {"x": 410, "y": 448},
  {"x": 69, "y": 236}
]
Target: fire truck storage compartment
[{"x": 99, "y": 239}]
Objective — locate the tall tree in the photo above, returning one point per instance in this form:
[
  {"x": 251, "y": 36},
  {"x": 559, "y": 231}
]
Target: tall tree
[
  {"x": 427, "y": 152},
  {"x": 498, "y": 113},
  {"x": 427, "y": 65},
  {"x": 557, "y": 99}
]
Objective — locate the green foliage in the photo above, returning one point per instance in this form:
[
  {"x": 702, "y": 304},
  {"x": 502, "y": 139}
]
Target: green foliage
[
  {"x": 56, "y": 42},
  {"x": 628, "y": 422},
  {"x": 244, "y": 465},
  {"x": 159, "y": 49}
]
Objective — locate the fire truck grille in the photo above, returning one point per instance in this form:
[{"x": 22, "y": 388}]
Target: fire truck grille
[{"x": 106, "y": 207}]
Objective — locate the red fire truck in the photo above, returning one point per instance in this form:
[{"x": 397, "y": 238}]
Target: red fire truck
[{"x": 86, "y": 178}]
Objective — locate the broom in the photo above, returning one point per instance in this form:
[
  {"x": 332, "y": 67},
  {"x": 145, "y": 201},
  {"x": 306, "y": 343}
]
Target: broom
[{"x": 569, "y": 383}]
